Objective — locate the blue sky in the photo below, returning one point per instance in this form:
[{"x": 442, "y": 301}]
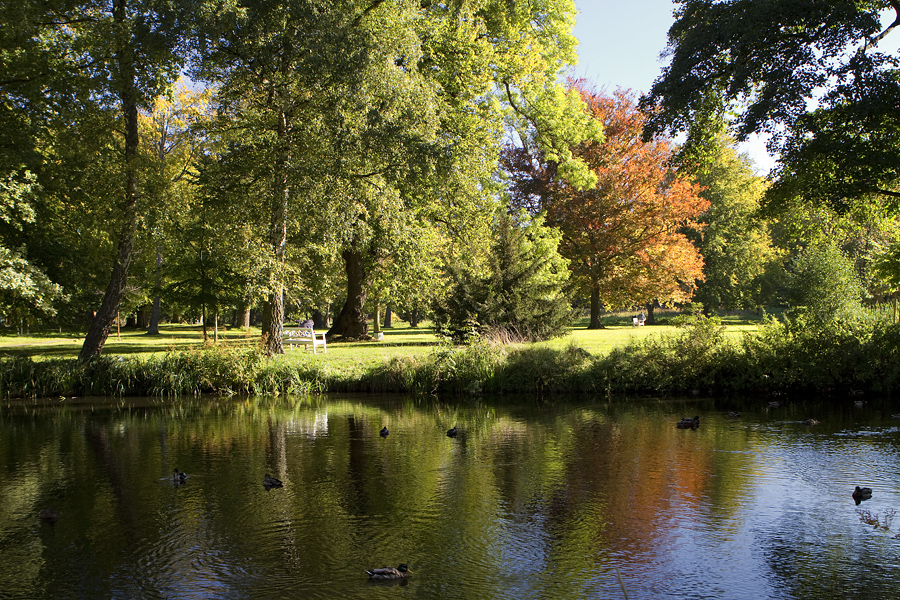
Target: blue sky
[{"x": 620, "y": 42}]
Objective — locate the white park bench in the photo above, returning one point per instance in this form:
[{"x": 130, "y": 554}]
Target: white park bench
[{"x": 306, "y": 337}]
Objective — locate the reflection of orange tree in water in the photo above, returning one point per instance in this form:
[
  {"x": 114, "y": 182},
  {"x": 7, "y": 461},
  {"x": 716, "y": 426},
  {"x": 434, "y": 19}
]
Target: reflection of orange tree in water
[{"x": 639, "y": 479}]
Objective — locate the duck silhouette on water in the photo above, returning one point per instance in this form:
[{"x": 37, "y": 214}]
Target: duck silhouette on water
[
  {"x": 687, "y": 423},
  {"x": 270, "y": 482},
  {"x": 384, "y": 432},
  {"x": 48, "y": 515},
  {"x": 389, "y": 573},
  {"x": 860, "y": 494}
]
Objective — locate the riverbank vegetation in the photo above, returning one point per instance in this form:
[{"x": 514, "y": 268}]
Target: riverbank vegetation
[{"x": 698, "y": 356}]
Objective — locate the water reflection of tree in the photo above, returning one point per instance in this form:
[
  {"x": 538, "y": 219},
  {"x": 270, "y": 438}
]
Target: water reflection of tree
[{"x": 551, "y": 498}]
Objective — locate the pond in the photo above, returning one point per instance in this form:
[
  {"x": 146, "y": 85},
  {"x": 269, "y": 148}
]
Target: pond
[{"x": 581, "y": 499}]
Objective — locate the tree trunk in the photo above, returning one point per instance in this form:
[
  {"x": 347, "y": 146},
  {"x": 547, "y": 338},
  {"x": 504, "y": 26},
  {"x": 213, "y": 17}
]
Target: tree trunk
[
  {"x": 241, "y": 317},
  {"x": 651, "y": 319},
  {"x": 376, "y": 322},
  {"x": 319, "y": 320},
  {"x": 143, "y": 316},
  {"x": 273, "y": 324},
  {"x": 351, "y": 321},
  {"x": 387, "y": 316},
  {"x": 115, "y": 291},
  {"x": 595, "y": 307},
  {"x": 273, "y": 318},
  {"x": 153, "y": 327}
]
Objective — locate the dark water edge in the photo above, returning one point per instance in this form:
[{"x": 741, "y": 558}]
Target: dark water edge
[{"x": 553, "y": 499}]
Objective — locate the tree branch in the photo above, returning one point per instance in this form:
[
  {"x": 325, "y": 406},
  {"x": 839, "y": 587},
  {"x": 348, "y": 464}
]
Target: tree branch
[
  {"x": 895, "y": 4},
  {"x": 368, "y": 9},
  {"x": 890, "y": 193}
]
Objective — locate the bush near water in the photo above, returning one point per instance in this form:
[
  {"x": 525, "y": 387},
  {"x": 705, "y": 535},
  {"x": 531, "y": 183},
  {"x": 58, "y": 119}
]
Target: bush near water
[{"x": 798, "y": 355}]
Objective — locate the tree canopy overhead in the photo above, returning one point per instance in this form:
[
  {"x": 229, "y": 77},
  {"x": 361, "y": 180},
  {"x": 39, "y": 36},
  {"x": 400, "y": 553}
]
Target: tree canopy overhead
[{"x": 808, "y": 73}]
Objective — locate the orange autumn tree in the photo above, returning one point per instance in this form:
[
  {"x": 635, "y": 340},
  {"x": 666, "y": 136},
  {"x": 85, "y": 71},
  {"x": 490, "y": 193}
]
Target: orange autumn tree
[{"x": 623, "y": 238}]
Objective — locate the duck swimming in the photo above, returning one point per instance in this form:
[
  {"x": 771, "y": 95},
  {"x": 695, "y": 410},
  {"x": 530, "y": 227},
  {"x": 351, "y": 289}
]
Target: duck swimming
[
  {"x": 386, "y": 573},
  {"x": 811, "y": 422},
  {"x": 452, "y": 432},
  {"x": 178, "y": 476},
  {"x": 384, "y": 432},
  {"x": 270, "y": 482},
  {"x": 48, "y": 515},
  {"x": 860, "y": 494},
  {"x": 688, "y": 423}
]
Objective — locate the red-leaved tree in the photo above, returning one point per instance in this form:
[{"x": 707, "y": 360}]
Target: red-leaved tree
[{"x": 623, "y": 237}]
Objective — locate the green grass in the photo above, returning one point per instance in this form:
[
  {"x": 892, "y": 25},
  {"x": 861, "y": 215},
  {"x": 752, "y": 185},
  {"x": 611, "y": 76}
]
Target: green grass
[{"x": 400, "y": 341}]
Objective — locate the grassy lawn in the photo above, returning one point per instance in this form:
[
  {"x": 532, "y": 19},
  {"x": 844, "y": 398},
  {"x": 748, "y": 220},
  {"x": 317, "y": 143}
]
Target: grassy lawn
[{"x": 399, "y": 341}]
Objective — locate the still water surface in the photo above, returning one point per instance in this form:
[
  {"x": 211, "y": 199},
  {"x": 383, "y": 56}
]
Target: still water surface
[{"x": 563, "y": 500}]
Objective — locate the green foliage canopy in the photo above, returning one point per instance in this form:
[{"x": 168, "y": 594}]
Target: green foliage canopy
[
  {"x": 808, "y": 73},
  {"x": 735, "y": 244}
]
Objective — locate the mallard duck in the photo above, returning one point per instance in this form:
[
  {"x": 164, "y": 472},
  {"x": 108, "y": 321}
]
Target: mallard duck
[
  {"x": 811, "y": 422},
  {"x": 384, "y": 432},
  {"x": 48, "y": 515},
  {"x": 688, "y": 423},
  {"x": 860, "y": 494},
  {"x": 178, "y": 476},
  {"x": 734, "y": 415},
  {"x": 774, "y": 404},
  {"x": 452, "y": 432},
  {"x": 401, "y": 572},
  {"x": 270, "y": 482},
  {"x": 859, "y": 403}
]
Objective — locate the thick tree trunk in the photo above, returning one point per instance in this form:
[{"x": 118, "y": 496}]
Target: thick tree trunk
[
  {"x": 241, "y": 317},
  {"x": 351, "y": 321},
  {"x": 115, "y": 291},
  {"x": 273, "y": 323},
  {"x": 319, "y": 320},
  {"x": 143, "y": 316},
  {"x": 651, "y": 319},
  {"x": 387, "y": 316},
  {"x": 595, "y": 308},
  {"x": 413, "y": 316}
]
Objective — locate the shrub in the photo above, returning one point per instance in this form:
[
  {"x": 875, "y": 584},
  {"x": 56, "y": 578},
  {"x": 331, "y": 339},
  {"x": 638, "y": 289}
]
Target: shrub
[
  {"x": 519, "y": 294},
  {"x": 822, "y": 279}
]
